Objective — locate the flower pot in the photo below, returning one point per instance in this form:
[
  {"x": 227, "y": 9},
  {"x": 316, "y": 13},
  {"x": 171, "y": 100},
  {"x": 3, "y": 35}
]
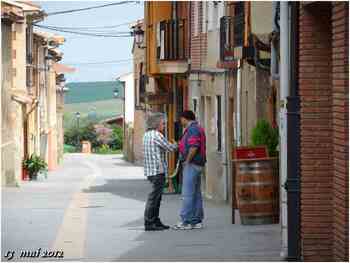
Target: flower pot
[
  {"x": 25, "y": 175},
  {"x": 33, "y": 177}
]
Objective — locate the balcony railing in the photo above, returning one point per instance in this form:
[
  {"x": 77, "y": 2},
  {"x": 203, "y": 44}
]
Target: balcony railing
[
  {"x": 227, "y": 38},
  {"x": 171, "y": 40}
]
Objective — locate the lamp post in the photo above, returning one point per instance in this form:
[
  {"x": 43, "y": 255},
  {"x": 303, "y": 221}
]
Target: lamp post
[
  {"x": 77, "y": 115},
  {"x": 139, "y": 36}
]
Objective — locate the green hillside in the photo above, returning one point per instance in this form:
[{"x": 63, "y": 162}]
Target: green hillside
[
  {"x": 94, "y": 101},
  {"x": 91, "y": 91},
  {"x": 95, "y": 110}
]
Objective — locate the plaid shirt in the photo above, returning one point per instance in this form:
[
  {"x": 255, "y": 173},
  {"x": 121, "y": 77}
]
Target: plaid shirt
[{"x": 154, "y": 148}]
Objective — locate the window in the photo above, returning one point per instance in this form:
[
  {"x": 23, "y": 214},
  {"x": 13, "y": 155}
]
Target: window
[
  {"x": 214, "y": 17},
  {"x": 29, "y": 56},
  {"x": 239, "y": 24},
  {"x": 196, "y": 18},
  {"x": 220, "y": 13},
  {"x": 195, "y": 107},
  {"x": 204, "y": 16},
  {"x": 218, "y": 123}
]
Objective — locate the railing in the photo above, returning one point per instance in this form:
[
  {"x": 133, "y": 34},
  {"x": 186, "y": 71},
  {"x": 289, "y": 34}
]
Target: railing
[
  {"x": 226, "y": 38},
  {"x": 171, "y": 40},
  {"x": 239, "y": 24},
  {"x": 232, "y": 32}
]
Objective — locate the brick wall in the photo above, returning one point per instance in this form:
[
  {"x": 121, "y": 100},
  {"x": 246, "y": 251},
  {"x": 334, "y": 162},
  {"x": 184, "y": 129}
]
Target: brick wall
[
  {"x": 324, "y": 91},
  {"x": 198, "y": 43},
  {"x": 316, "y": 132},
  {"x": 139, "y": 130},
  {"x": 340, "y": 105}
]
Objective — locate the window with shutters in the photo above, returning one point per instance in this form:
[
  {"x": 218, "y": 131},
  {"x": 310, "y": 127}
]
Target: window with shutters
[
  {"x": 226, "y": 38},
  {"x": 29, "y": 56},
  {"x": 196, "y": 18},
  {"x": 171, "y": 40},
  {"x": 204, "y": 17},
  {"x": 239, "y": 24}
]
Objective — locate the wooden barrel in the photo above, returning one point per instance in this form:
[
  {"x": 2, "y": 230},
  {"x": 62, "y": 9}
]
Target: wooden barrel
[{"x": 256, "y": 190}]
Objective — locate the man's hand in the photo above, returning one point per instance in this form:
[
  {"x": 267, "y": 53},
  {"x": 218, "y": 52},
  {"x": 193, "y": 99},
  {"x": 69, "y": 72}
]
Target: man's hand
[{"x": 191, "y": 153}]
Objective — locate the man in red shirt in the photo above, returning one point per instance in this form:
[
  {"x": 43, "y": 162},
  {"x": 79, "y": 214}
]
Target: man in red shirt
[{"x": 192, "y": 149}]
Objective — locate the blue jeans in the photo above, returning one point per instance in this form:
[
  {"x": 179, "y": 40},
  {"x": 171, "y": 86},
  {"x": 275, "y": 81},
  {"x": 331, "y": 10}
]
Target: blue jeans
[{"x": 192, "y": 204}]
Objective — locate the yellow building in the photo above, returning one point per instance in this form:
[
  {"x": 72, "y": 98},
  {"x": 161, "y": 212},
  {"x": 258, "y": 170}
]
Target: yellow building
[
  {"x": 28, "y": 90},
  {"x": 166, "y": 25}
]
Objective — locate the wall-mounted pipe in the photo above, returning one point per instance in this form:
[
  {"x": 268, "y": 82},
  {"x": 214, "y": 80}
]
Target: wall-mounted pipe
[
  {"x": 293, "y": 137},
  {"x": 238, "y": 107},
  {"x": 274, "y": 50},
  {"x": 284, "y": 93}
]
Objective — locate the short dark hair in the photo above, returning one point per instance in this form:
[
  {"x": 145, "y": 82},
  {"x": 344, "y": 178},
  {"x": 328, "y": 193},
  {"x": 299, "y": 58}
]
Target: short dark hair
[{"x": 188, "y": 115}]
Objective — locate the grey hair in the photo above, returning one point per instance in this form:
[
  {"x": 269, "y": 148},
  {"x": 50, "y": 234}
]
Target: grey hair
[{"x": 153, "y": 120}]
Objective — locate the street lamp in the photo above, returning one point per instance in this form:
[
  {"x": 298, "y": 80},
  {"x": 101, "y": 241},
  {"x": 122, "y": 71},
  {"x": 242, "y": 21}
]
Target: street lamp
[
  {"x": 116, "y": 93},
  {"x": 139, "y": 36},
  {"x": 77, "y": 115}
]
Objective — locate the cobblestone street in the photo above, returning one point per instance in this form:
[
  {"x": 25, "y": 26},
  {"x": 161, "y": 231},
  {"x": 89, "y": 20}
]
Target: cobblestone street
[{"x": 92, "y": 210}]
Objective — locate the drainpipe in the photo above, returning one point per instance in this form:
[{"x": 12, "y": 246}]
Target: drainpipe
[
  {"x": 238, "y": 105},
  {"x": 293, "y": 147},
  {"x": 226, "y": 148},
  {"x": 275, "y": 31},
  {"x": 284, "y": 93}
]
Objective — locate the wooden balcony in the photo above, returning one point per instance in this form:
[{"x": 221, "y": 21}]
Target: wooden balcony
[{"x": 171, "y": 46}]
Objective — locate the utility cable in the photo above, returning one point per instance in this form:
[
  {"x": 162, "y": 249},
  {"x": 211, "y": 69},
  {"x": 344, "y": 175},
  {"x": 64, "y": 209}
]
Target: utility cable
[
  {"x": 89, "y": 31},
  {"x": 101, "y": 62},
  {"x": 130, "y": 34},
  {"x": 89, "y": 8},
  {"x": 93, "y": 27}
]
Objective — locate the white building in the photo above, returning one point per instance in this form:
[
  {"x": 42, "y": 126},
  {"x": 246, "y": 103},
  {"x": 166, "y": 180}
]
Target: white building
[{"x": 127, "y": 81}]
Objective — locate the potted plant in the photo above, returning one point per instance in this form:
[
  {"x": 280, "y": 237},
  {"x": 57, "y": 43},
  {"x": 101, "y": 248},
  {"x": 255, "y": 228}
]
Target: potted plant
[
  {"x": 34, "y": 164},
  {"x": 265, "y": 134}
]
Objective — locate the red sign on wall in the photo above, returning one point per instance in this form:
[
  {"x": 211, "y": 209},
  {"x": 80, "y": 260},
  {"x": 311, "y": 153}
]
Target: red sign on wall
[{"x": 250, "y": 152}]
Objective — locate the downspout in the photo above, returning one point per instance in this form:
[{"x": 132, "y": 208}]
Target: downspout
[
  {"x": 293, "y": 147},
  {"x": 275, "y": 32},
  {"x": 284, "y": 93},
  {"x": 238, "y": 105},
  {"x": 226, "y": 159}
]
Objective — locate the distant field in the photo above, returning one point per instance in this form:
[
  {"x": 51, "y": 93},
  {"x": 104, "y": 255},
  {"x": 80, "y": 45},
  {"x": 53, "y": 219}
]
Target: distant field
[
  {"x": 91, "y": 91},
  {"x": 93, "y": 99},
  {"x": 102, "y": 109}
]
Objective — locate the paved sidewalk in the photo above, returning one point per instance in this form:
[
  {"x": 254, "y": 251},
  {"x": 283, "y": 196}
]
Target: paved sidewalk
[{"x": 92, "y": 208}]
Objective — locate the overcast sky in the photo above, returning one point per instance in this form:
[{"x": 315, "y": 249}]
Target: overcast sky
[{"x": 86, "y": 49}]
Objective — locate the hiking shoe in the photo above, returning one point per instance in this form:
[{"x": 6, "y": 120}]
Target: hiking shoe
[{"x": 182, "y": 226}]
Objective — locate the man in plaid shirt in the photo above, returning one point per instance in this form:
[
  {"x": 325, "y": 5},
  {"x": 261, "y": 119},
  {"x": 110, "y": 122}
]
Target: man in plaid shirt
[{"x": 155, "y": 147}]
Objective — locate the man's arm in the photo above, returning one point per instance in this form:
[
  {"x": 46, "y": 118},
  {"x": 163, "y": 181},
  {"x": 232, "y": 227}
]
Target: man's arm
[
  {"x": 191, "y": 153},
  {"x": 164, "y": 144}
]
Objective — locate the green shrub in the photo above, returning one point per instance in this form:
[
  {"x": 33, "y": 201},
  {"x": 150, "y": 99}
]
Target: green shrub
[
  {"x": 103, "y": 149},
  {"x": 264, "y": 134},
  {"x": 74, "y": 136},
  {"x": 69, "y": 148},
  {"x": 116, "y": 142}
]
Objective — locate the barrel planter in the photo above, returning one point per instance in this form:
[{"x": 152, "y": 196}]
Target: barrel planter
[{"x": 257, "y": 190}]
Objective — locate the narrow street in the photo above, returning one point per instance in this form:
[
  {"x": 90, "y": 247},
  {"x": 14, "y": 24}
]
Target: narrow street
[{"x": 91, "y": 208}]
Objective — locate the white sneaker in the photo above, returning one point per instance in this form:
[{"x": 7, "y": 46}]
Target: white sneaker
[
  {"x": 197, "y": 226},
  {"x": 182, "y": 226}
]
